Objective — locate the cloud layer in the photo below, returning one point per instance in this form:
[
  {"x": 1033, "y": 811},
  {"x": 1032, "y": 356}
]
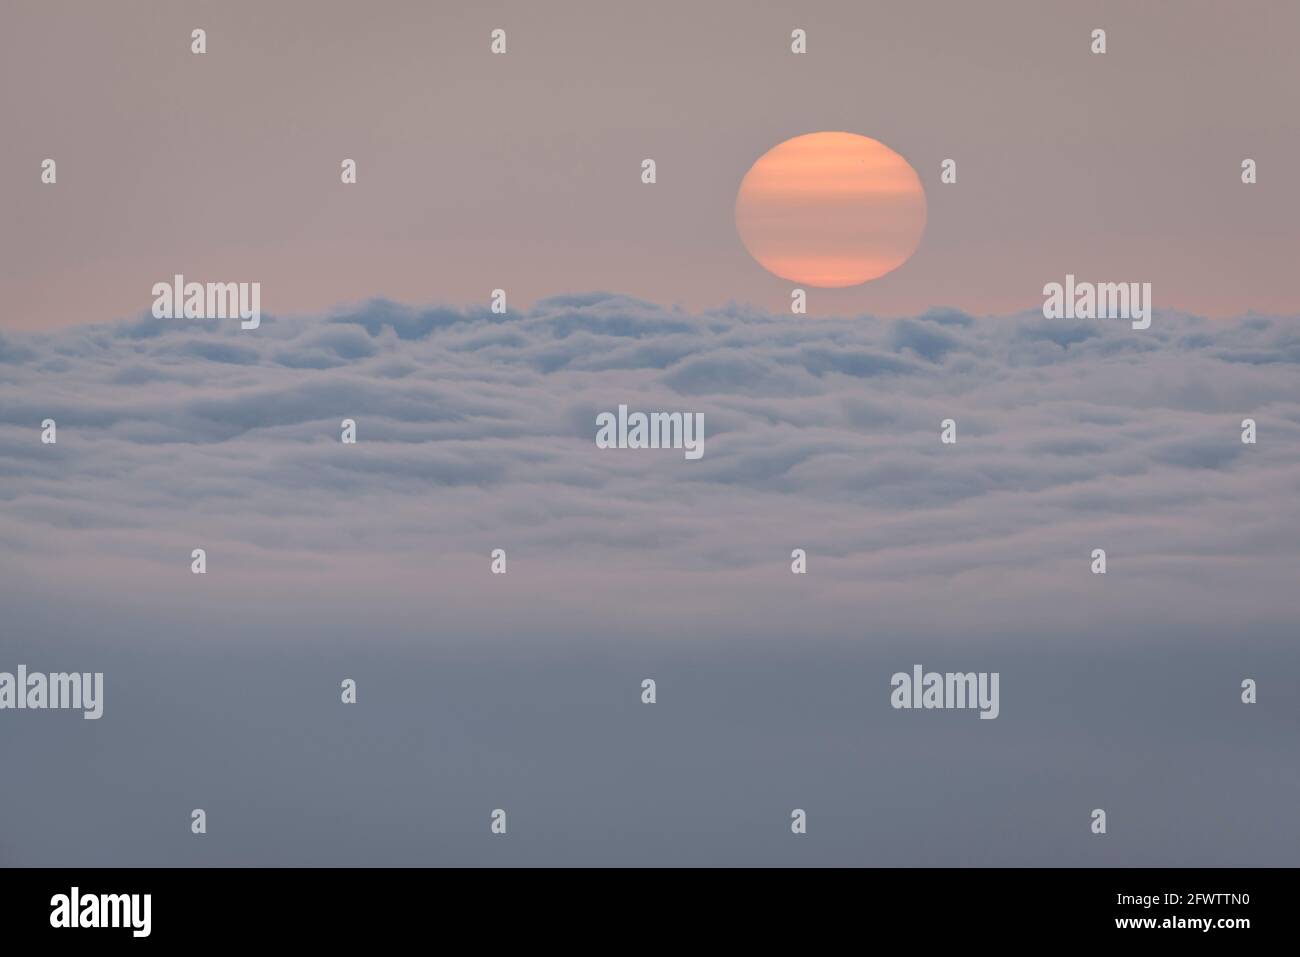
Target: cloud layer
[
  {"x": 476, "y": 431},
  {"x": 480, "y": 691}
]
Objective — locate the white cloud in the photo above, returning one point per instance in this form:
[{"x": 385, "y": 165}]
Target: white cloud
[{"x": 477, "y": 430}]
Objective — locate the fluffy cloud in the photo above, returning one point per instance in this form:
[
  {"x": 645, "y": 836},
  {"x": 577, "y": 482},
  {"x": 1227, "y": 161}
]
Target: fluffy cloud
[{"x": 476, "y": 431}]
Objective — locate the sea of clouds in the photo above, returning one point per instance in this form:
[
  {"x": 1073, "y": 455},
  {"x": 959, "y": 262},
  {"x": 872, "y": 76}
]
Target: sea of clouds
[
  {"x": 476, "y": 431},
  {"x": 522, "y": 691}
]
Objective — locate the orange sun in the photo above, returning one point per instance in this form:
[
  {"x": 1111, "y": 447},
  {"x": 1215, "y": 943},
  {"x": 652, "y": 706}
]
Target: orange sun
[{"x": 830, "y": 209}]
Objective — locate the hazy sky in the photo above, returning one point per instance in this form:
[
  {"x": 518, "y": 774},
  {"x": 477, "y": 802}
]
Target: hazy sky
[{"x": 523, "y": 171}]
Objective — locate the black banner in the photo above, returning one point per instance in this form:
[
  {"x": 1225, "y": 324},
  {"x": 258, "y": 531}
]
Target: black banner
[{"x": 94, "y": 907}]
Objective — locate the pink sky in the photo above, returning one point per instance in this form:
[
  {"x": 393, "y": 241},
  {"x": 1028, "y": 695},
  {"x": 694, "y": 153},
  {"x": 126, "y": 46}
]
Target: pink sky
[{"x": 523, "y": 171}]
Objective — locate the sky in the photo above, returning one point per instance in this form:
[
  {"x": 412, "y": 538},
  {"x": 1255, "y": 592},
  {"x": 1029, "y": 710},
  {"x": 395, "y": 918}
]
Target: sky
[
  {"x": 522, "y": 172},
  {"x": 475, "y": 431}
]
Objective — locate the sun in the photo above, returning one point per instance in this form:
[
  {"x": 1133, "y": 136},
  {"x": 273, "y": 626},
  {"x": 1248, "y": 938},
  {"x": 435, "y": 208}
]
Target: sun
[{"x": 830, "y": 209}]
